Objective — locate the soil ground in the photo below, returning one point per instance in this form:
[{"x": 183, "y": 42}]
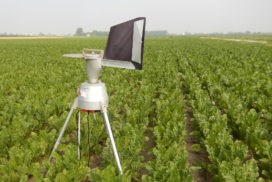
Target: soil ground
[
  {"x": 195, "y": 158},
  {"x": 237, "y": 40},
  {"x": 146, "y": 153}
]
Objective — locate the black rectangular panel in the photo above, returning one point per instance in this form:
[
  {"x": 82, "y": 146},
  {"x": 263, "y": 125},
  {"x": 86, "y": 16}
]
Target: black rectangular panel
[{"x": 120, "y": 42}]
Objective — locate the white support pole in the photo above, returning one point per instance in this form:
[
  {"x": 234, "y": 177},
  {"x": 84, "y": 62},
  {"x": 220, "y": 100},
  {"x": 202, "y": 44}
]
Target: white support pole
[
  {"x": 74, "y": 106},
  {"x": 78, "y": 134},
  {"x": 108, "y": 127}
]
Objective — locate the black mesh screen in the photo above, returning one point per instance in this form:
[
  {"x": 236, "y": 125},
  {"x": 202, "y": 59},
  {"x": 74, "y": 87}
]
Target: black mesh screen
[{"x": 120, "y": 40}]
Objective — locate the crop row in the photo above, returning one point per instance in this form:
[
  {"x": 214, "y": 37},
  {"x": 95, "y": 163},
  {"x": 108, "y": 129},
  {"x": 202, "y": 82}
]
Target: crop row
[
  {"x": 248, "y": 123},
  {"x": 226, "y": 155},
  {"x": 170, "y": 161}
]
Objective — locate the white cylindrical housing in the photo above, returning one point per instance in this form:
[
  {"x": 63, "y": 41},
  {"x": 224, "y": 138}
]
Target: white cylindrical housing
[
  {"x": 92, "y": 96},
  {"x": 93, "y": 69}
]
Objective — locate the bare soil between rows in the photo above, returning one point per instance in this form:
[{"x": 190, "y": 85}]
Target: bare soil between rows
[
  {"x": 195, "y": 158},
  {"x": 146, "y": 153}
]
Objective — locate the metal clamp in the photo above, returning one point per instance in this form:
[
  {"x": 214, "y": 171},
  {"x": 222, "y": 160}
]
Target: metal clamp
[{"x": 100, "y": 52}]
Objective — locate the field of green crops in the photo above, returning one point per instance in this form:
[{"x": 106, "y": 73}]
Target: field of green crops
[{"x": 227, "y": 86}]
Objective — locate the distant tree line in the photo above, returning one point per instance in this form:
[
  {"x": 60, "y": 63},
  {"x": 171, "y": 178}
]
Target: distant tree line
[
  {"x": 12, "y": 35},
  {"x": 80, "y": 32},
  {"x": 155, "y": 33}
]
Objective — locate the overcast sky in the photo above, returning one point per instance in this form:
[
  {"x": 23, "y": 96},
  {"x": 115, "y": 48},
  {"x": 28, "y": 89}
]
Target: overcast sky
[{"x": 175, "y": 16}]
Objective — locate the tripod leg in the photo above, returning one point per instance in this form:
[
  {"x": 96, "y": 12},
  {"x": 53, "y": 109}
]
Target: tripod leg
[
  {"x": 78, "y": 134},
  {"x": 64, "y": 127},
  {"x": 108, "y": 127}
]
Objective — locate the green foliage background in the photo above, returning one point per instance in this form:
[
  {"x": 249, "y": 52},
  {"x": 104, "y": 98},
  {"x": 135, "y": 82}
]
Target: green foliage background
[{"x": 227, "y": 85}]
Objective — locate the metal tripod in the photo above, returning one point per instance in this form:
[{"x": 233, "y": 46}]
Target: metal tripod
[{"x": 108, "y": 128}]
